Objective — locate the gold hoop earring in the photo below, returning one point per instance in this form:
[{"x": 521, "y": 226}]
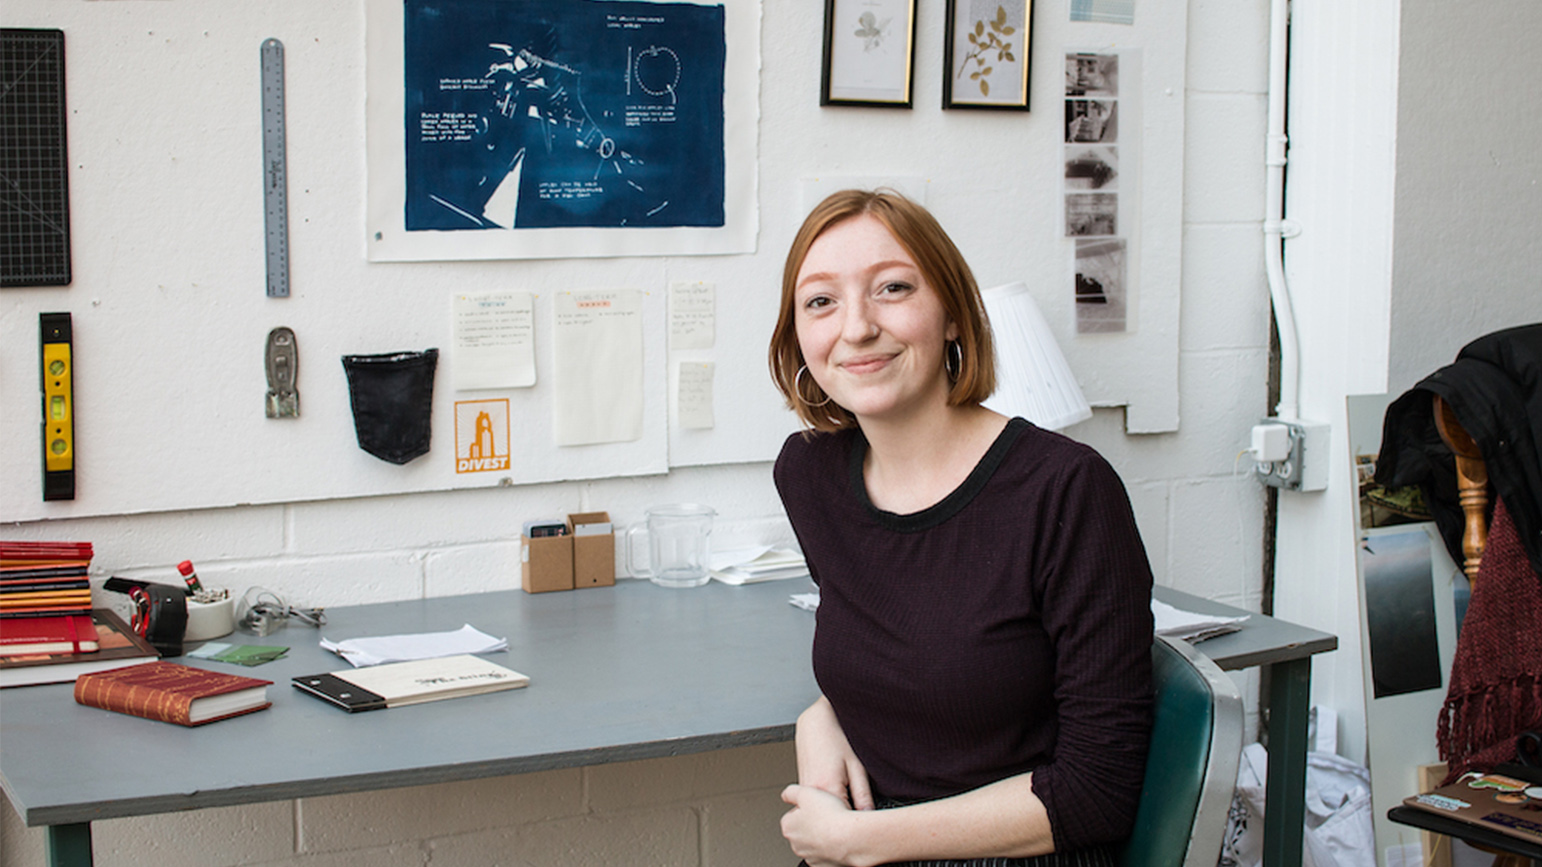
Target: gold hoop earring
[
  {"x": 953, "y": 361},
  {"x": 797, "y": 385}
]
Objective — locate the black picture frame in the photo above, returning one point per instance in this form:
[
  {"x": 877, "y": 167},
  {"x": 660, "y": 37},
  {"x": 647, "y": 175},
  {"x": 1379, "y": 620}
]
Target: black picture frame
[
  {"x": 976, "y": 51},
  {"x": 869, "y": 53}
]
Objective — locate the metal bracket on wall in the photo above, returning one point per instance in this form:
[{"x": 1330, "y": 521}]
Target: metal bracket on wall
[{"x": 282, "y": 363}]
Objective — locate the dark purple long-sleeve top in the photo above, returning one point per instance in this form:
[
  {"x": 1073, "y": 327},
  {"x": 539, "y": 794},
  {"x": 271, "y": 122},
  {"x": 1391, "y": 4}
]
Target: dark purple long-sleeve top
[{"x": 1005, "y": 629}]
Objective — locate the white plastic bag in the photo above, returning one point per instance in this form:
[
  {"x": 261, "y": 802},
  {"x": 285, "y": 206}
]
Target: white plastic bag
[{"x": 1339, "y": 831}]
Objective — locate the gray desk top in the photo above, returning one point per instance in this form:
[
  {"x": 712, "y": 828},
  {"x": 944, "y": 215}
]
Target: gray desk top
[
  {"x": 617, "y": 674},
  {"x": 1262, "y": 641}
]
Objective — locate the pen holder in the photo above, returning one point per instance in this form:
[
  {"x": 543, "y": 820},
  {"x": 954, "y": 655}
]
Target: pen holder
[
  {"x": 546, "y": 563},
  {"x": 579, "y": 552},
  {"x": 212, "y": 619},
  {"x": 594, "y": 549}
]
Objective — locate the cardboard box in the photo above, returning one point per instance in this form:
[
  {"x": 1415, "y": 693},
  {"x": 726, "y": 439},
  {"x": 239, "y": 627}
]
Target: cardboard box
[
  {"x": 594, "y": 549},
  {"x": 546, "y": 563}
]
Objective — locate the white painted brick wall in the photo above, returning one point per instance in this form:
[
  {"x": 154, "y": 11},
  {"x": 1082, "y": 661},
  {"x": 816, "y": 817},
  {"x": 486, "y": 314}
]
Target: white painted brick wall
[{"x": 1202, "y": 522}]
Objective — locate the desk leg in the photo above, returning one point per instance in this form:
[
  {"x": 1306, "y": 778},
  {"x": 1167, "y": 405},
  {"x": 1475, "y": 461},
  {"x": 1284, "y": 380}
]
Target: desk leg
[
  {"x": 1285, "y": 791},
  {"x": 68, "y": 845}
]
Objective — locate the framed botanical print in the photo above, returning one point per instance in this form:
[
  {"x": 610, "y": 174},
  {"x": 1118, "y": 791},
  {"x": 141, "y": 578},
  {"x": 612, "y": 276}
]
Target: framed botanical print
[
  {"x": 869, "y": 53},
  {"x": 986, "y": 54}
]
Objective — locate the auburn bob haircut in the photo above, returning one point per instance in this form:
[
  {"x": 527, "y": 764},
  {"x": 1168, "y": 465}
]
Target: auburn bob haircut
[{"x": 941, "y": 265}]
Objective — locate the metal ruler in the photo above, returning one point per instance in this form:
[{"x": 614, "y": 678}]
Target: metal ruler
[{"x": 274, "y": 185}]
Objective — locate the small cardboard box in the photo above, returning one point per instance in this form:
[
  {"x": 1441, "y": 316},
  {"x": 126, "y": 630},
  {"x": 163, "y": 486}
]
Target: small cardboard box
[
  {"x": 546, "y": 563},
  {"x": 594, "y": 549}
]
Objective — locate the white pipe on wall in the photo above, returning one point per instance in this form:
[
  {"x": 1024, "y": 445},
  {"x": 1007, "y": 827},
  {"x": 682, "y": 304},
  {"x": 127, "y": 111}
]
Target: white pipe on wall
[{"x": 1275, "y": 229}]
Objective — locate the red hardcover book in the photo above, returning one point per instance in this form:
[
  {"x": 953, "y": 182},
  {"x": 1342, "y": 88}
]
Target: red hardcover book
[
  {"x": 51, "y": 569},
  {"x": 117, "y": 646},
  {"x": 30, "y": 635},
  {"x": 34, "y": 552},
  {"x": 46, "y": 599},
  {"x": 37, "y": 585},
  {"x": 174, "y": 693}
]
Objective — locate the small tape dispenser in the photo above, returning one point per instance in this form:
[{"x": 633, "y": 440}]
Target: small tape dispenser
[{"x": 159, "y": 614}]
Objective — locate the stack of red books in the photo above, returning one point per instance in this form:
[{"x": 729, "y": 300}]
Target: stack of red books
[
  {"x": 45, "y": 580},
  {"x": 48, "y": 630}
]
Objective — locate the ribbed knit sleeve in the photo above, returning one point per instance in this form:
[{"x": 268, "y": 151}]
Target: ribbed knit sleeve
[{"x": 1096, "y": 586}]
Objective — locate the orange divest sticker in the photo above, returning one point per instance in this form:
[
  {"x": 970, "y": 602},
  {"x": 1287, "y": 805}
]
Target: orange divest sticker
[{"x": 481, "y": 435}]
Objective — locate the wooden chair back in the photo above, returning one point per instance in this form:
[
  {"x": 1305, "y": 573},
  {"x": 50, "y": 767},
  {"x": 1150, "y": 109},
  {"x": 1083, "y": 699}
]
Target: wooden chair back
[{"x": 1471, "y": 485}]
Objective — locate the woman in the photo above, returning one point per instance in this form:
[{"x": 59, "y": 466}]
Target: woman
[{"x": 984, "y": 633}]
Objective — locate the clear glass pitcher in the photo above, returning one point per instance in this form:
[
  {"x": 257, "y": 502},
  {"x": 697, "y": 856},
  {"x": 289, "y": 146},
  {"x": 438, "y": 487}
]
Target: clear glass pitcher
[{"x": 679, "y": 540}]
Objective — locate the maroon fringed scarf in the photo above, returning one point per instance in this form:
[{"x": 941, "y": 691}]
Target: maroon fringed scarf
[{"x": 1496, "y": 677}]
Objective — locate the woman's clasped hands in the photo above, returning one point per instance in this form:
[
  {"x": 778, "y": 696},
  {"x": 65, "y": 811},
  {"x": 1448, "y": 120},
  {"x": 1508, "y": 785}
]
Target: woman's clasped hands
[{"x": 832, "y": 786}]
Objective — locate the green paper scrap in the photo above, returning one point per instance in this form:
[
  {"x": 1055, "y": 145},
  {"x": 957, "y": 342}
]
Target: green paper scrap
[
  {"x": 251, "y": 654},
  {"x": 239, "y": 654}
]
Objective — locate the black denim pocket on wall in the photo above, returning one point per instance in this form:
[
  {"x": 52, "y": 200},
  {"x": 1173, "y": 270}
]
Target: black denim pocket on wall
[{"x": 392, "y": 397}]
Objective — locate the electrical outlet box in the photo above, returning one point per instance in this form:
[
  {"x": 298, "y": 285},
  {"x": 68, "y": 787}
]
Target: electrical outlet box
[{"x": 1304, "y": 466}]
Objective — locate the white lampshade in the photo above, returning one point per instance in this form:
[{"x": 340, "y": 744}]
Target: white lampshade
[{"x": 1033, "y": 379}]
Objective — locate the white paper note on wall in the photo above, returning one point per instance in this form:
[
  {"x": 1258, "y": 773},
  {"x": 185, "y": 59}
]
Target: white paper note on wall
[
  {"x": 494, "y": 341},
  {"x": 692, "y": 315},
  {"x": 597, "y": 340},
  {"x": 693, "y": 395}
]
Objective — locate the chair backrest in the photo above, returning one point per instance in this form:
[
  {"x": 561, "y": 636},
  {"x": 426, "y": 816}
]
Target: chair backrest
[{"x": 1191, "y": 770}]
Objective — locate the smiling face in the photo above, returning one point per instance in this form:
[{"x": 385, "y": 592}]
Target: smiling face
[{"x": 871, "y": 329}]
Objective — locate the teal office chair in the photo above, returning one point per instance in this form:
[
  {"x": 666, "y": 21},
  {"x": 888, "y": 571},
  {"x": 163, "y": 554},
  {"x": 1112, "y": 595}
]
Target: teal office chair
[{"x": 1191, "y": 771}]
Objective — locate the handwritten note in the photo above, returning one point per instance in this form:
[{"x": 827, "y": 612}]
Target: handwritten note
[
  {"x": 693, "y": 395},
  {"x": 598, "y": 344},
  {"x": 494, "y": 341},
  {"x": 692, "y": 315}
]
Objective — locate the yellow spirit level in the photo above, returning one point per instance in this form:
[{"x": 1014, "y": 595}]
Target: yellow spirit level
[{"x": 57, "y": 362}]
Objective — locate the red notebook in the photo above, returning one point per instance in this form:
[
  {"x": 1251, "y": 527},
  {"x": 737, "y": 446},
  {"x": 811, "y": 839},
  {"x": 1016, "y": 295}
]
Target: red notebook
[
  {"x": 17, "y": 553},
  {"x": 117, "y": 646},
  {"x": 27, "y": 635},
  {"x": 174, "y": 693}
]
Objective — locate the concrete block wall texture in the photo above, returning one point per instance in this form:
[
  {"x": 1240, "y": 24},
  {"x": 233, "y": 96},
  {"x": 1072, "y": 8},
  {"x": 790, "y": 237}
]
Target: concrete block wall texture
[
  {"x": 717, "y": 809},
  {"x": 1200, "y": 514}
]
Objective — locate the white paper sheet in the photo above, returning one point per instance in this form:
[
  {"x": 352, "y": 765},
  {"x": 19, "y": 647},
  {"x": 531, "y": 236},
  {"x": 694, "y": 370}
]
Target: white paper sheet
[
  {"x": 693, "y": 396},
  {"x": 494, "y": 341},
  {"x": 377, "y": 650},
  {"x": 692, "y": 315},
  {"x": 757, "y": 564},
  {"x": 597, "y": 340},
  {"x": 1189, "y": 625}
]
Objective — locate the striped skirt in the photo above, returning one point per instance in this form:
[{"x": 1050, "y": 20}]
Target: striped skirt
[{"x": 1101, "y": 857}]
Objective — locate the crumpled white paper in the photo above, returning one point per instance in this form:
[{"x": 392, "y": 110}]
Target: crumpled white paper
[
  {"x": 378, "y": 650},
  {"x": 1189, "y": 625}
]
